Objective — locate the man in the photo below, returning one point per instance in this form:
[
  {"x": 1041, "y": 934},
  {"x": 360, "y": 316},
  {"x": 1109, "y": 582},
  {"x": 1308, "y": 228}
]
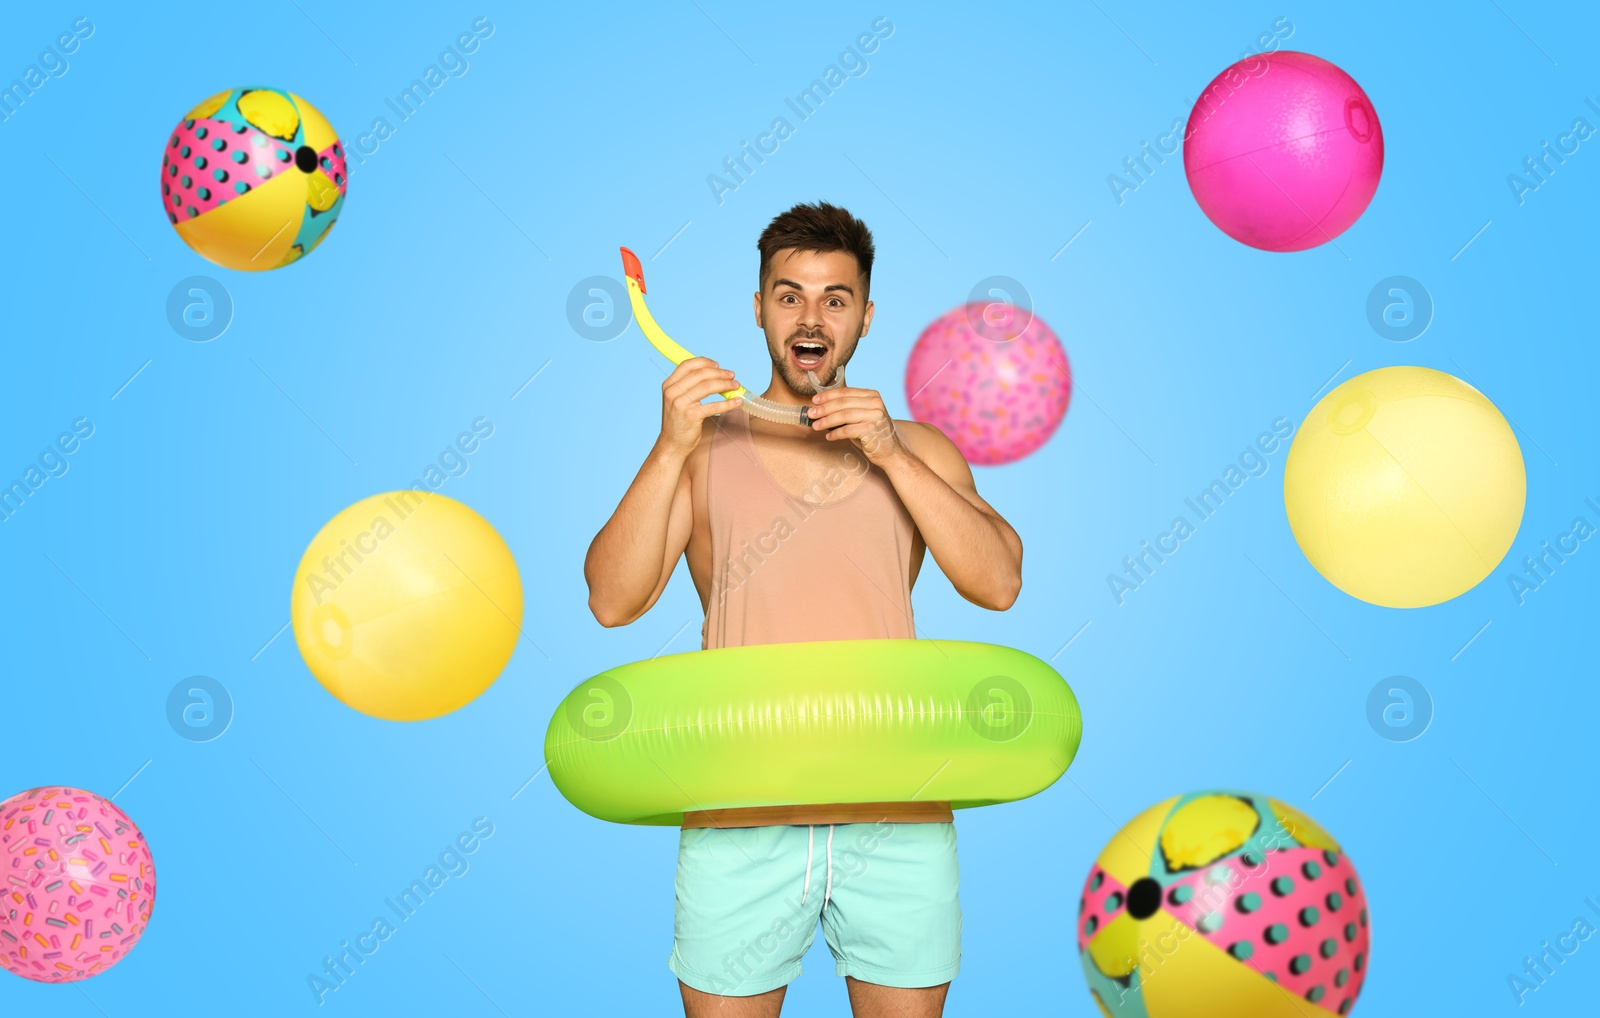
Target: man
[{"x": 795, "y": 534}]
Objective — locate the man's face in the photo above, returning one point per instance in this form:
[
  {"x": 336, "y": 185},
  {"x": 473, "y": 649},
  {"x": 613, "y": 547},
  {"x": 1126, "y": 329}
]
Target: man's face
[{"x": 813, "y": 309}]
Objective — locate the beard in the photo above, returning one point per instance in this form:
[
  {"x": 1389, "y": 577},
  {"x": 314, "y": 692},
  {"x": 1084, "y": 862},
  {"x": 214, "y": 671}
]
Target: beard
[{"x": 795, "y": 377}]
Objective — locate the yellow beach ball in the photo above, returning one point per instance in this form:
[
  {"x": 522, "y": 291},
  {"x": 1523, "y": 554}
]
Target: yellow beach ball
[
  {"x": 407, "y": 605},
  {"x": 1404, "y": 487}
]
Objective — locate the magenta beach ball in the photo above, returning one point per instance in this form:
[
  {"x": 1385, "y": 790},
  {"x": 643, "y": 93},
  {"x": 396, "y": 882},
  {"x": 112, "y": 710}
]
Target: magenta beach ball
[
  {"x": 1283, "y": 151},
  {"x": 993, "y": 378}
]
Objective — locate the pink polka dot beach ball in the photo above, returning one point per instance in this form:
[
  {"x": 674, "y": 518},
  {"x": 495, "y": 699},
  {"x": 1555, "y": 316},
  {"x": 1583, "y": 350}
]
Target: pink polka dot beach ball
[
  {"x": 993, "y": 378},
  {"x": 76, "y": 884},
  {"x": 253, "y": 178},
  {"x": 1224, "y": 903},
  {"x": 1283, "y": 151}
]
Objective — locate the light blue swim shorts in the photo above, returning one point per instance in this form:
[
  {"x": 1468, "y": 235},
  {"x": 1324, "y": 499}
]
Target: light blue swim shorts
[{"x": 749, "y": 899}]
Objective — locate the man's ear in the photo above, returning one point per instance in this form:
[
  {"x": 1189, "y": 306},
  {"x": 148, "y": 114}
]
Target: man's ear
[
  {"x": 866, "y": 319},
  {"x": 756, "y": 300}
]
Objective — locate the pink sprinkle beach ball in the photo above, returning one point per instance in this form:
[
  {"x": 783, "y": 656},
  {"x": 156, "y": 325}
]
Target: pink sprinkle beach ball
[
  {"x": 993, "y": 378},
  {"x": 76, "y": 884}
]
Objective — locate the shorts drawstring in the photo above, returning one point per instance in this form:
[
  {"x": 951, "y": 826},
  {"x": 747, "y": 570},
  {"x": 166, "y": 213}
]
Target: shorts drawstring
[
  {"x": 827, "y": 891},
  {"x": 811, "y": 833}
]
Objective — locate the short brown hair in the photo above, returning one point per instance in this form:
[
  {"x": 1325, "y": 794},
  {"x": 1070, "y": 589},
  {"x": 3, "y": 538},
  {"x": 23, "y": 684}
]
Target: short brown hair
[{"x": 818, "y": 227}]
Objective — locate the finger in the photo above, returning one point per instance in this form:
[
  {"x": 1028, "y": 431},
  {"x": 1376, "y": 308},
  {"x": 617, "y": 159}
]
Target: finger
[
  {"x": 692, "y": 364},
  {"x": 700, "y": 383},
  {"x": 856, "y": 431},
  {"x": 680, "y": 375},
  {"x": 829, "y": 395},
  {"x": 700, "y": 411},
  {"x": 721, "y": 382},
  {"x": 869, "y": 435},
  {"x": 833, "y": 418},
  {"x": 691, "y": 372},
  {"x": 860, "y": 403},
  {"x": 872, "y": 405},
  {"x": 685, "y": 398}
]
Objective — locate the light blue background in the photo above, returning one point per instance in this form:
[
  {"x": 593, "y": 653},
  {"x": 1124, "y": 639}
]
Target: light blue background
[{"x": 977, "y": 144}]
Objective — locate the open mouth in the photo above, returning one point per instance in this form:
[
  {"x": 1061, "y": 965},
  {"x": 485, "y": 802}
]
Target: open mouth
[{"x": 808, "y": 354}]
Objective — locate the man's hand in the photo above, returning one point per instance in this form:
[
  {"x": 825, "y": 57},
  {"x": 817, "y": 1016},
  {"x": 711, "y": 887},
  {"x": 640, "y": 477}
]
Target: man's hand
[
  {"x": 859, "y": 416},
  {"x": 681, "y": 409}
]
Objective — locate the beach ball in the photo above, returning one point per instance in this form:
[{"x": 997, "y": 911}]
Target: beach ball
[
  {"x": 253, "y": 178},
  {"x": 1404, "y": 487},
  {"x": 407, "y": 605},
  {"x": 1223, "y": 904},
  {"x": 76, "y": 884},
  {"x": 1283, "y": 151},
  {"x": 993, "y": 378}
]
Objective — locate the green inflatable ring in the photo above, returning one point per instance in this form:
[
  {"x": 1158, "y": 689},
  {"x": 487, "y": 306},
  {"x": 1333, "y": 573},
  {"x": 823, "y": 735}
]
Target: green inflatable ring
[{"x": 830, "y": 722}]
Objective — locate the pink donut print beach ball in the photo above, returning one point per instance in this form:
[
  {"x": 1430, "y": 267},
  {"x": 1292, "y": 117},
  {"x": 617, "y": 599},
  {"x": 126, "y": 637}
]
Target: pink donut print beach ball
[
  {"x": 993, "y": 378},
  {"x": 76, "y": 884}
]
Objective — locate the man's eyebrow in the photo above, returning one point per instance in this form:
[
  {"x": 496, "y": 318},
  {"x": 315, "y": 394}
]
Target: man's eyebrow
[{"x": 847, "y": 288}]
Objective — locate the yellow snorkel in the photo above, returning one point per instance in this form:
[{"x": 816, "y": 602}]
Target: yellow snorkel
[{"x": 782, "y": 413}]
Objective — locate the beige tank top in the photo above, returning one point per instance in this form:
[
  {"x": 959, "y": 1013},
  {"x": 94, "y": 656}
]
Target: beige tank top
[{"x": 771, "y": 548}]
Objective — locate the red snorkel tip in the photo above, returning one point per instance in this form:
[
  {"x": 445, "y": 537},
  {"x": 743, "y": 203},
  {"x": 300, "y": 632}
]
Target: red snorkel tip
[{"x": 632, "y": 269}]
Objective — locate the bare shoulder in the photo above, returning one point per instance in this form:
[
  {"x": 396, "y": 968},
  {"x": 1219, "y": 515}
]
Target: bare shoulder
[
  {"x": 934, "y": 448},
  {"x": 916, "y": 432}
]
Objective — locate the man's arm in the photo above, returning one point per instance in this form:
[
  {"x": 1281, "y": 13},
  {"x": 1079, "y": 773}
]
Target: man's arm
[
  {"x": 633, "y": 556},
  {"x": 974, "y": 546}
]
